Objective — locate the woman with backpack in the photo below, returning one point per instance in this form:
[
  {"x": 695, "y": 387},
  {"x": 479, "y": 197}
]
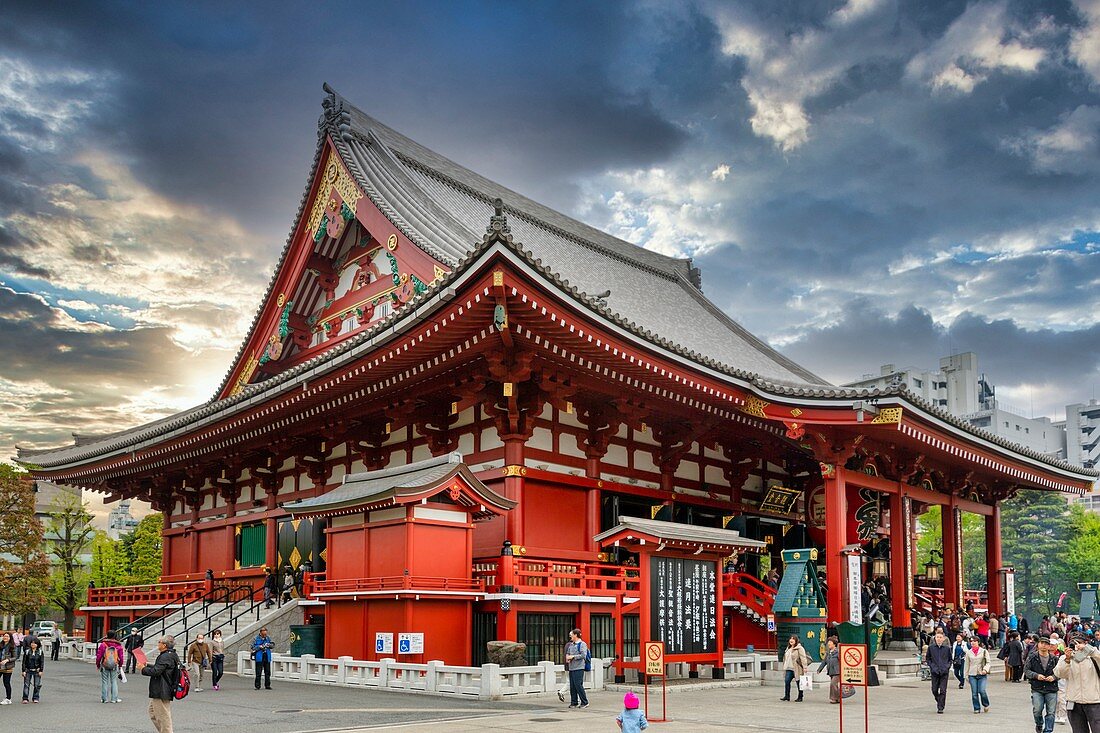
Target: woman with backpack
[
  {"x": 7, "y": 664},
  {"x": 109, "y": 656},
  {"x": 576, "y": 657}
]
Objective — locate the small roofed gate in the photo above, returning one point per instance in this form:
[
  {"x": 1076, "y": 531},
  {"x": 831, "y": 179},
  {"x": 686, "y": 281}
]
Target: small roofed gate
[
  {"x": 399, "y": 581},
  {"x": 681, "y": 588}
]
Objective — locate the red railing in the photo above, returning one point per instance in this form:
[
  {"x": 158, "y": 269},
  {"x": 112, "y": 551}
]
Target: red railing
[
  {"x": 749, "y": 591},
  {"x": 155, "y": 594},
  {"x": 557, "y": 577},
  {"x": 396, "y": 583},
  {"x": 934, "y": 596}
]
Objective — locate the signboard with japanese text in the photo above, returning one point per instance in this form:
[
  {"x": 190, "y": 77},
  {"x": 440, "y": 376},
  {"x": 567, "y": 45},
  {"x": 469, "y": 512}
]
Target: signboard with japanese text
[
  {"x": 855, "y": 590},
  {"x": 410, "y": 643},
  {"x": 771, "y": 623},
  {"x": 683, "y": 598},
  {"x": 654, "y": 658},
  {"x": 383, "y": 643},
  {"x": 853, "y": 664},
  {"x": 1010, "y": 591}
]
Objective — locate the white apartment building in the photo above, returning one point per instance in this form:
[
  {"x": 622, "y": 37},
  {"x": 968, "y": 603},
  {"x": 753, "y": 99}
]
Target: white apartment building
[
  {"x": 120, "y": 522},
  {"x": 959, "y": 388}
]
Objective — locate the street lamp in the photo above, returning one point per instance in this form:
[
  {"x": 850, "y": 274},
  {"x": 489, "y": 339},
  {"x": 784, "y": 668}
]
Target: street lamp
[{"x": 932, "y": 568}]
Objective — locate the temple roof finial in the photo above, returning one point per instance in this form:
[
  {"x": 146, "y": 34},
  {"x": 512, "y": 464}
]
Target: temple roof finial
[{"x": 498, "y": 222}]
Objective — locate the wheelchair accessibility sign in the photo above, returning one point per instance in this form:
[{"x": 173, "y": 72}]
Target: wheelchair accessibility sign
[
  {"x": 383, "y": 643},
  {"x": 410, "y": 643}
]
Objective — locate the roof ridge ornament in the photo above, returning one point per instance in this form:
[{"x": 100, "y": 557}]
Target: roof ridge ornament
[
  {"x": 498, "y": 222},
  {"x": 335, "y": 115}
]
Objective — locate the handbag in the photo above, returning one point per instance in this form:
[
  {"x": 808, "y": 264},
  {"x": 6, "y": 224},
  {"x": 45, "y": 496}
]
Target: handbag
[{"x": 806, "y": 682}]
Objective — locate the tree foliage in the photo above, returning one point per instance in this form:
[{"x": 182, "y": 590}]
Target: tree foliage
[
  {"x": 145, "y": 550},
  {"x": 1037, "y": 529},
  {"x": 70, "y": 537},
  {"x": 1080, "y": 562},
  {"x": 23, "y": 565}
]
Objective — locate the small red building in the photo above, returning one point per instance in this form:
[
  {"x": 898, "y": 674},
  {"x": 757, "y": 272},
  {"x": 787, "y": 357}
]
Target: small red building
[{"x": 419, "y": 309}]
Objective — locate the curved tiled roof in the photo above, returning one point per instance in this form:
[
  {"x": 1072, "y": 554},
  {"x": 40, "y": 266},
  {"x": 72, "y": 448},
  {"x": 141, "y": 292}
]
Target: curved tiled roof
[{"x": 439, "y": 205}]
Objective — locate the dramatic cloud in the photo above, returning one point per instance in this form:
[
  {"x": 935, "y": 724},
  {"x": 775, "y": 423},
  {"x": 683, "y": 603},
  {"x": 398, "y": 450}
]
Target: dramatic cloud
[{"x": 862, "y": 182}]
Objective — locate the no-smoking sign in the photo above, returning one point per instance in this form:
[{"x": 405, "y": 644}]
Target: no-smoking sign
[
  {"x": 655, "y": 658},
  {"x": 853, "y": 664}
]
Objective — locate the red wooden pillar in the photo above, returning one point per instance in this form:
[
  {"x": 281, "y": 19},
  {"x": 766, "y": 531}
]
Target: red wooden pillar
[
  {"x": 952, "y": 567},
  {"x": 166, "y": 544},
  {"x": 620, "y": 669},
  {"x": 836, "y": 537},
  {"x": 193, "y": 566},
  {"x": 513, "y": 488},
  {"x": 592, "y": 505},
  {"x": 901, "y": 568},
  {"x": 719, "y": 671},
  {"x": 993, "y": 560}
]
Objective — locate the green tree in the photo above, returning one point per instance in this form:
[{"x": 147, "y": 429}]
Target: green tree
[
  {"x": 109, "y": 566},
  {"x": 1081, "y": 559},
  {"x": 70, "y": 536},
  {"x": 1036, "y": 530},
  {"x": 145, "y": 550},
  {"x": 23, "y": 564}
]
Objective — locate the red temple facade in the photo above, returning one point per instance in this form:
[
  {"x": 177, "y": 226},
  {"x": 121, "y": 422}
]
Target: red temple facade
[{"x": 420, "y": 310}]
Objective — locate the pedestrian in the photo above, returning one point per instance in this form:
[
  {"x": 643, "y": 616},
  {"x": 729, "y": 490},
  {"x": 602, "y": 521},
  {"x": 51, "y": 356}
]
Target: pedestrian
[
  {"x": 109, "y": 656},
  {"x": 56, "y": 648},
  {"x": 940, "y": 660},
  {"x": 163, "y": 677},
  {"x": 28, "y": 637},
  {"x": 795, "y": 662},
  {"x": 1013, "y": 655},
  {"x": 288, "y": 584},
  {"x": 831, "y": 665},
  {"x": 134, "y": 641},
  {"x": 261, "y": 653},
  {"x": 981, "y": 628},
  {"x": 1039, "y": 671},
  {"x": 34, "y": 665},
  {"x": 958, "y": 659},
  {"x": 1024, "y": 627},
  {"x": 576, "y": 658},
  {"x": 217, "y": 658},
  {"x": 198, "y": 659},
  {"x": 271, "y": 587},
  {"x": 1045, "y": 627},
  {"x": 17, "y": 637},
  {"x": 631, "y": 719},
  {"x": 1080, "y": 668},
  {"x": 7, "y": 664},
  {"x": 995, "y": 641},
  {"x": 977, "y": 671}
]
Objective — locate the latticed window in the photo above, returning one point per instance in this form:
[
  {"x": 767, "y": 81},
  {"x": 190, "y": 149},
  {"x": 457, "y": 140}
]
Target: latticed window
[
  {"x": 252, "y": 545},
  {"x": 601, "y": 638},
  {"x": 545, "y": 635},
  {"x": 631, "y": 636}
]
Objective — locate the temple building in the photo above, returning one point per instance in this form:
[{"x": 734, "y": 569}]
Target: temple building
[{"x": 473, "y": 418}]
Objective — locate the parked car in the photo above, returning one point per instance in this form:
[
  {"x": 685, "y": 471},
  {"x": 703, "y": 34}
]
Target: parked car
[{"x": 45, "y": 630}]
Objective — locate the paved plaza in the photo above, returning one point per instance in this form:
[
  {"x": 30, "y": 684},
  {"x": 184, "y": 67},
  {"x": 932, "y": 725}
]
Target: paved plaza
[{"x": 71, "y": 703}]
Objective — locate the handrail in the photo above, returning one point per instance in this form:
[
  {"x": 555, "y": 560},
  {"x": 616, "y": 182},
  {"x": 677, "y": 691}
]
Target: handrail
[
  {"x": 116, "y": 595},
  {"x": 242, "y": 594},
  {"x": 396, "y": 582},
  {"x": 749, "y": 591},
  {"x": 183, "y": 600},
  {"x": 204, "y": 599}
]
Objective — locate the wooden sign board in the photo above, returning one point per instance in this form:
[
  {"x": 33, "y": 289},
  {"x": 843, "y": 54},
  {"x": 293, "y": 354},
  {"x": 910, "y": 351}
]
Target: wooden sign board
[
  {"x": 655, "y": 658},
  {"x": 853, "y": 664}
]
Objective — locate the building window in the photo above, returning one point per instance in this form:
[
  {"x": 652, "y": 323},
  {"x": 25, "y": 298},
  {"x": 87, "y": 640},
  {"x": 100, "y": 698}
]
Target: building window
[
  {"x": 545, "y": 635},
  {"x": 601, "y": 639},
  {"x": 252, "y": 545},
  {"x": 1006, "y": 423},
  {"x": 918, "y": 383}
]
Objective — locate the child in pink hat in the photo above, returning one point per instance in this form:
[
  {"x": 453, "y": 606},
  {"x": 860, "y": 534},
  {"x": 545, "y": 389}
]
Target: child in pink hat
[{"x": 631, "y": 719}]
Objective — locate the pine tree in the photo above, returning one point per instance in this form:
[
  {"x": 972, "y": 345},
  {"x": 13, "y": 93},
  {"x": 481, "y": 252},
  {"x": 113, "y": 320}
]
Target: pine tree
[{"x": 1036, "y": 530}]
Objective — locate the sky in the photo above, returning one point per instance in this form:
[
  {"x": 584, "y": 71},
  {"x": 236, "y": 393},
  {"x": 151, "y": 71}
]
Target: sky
[{"x": 861, "y": 181}]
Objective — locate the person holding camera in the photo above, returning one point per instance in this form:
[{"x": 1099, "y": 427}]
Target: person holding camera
[{"x": 1080, "y": 668}]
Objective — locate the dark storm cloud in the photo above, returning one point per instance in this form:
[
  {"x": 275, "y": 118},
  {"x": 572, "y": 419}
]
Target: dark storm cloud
[{"x": 1066, "y": 360}]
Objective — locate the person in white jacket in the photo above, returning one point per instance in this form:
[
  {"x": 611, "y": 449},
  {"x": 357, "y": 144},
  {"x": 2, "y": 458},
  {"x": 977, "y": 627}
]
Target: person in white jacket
[{"x": 1080, "y": 668}]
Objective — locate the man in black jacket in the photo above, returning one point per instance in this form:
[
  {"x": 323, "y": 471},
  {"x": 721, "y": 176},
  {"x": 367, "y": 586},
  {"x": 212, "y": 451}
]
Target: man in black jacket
[
  {"x": 1039, "y": 671},
  {"x": 133, "y": 641},
  {"x": 163, "y": 676},
  {"x": 939, "y": 657}
]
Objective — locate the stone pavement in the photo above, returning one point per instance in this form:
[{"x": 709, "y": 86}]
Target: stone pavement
[{"x": 71, "y": 703}]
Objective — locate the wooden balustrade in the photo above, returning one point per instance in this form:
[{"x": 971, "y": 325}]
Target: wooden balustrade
[{"x": 154, "y": 594}]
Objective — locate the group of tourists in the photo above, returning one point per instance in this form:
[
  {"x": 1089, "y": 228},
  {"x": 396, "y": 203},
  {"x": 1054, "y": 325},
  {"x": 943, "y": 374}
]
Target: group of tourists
[
  {"x": 26, "y": 649},
  {"x": 1061, "y": 664}
]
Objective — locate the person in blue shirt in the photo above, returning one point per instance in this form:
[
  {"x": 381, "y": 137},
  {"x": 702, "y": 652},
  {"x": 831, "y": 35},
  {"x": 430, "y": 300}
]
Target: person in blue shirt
[
  {"x": 631, "y": 719},
  {"x": 261, "y": 653}
]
